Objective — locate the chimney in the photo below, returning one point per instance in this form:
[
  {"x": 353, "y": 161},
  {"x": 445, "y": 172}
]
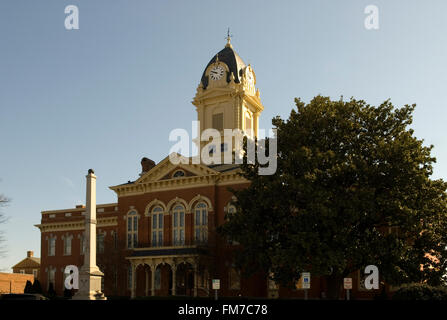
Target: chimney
[
  {"x": 29, "y": 254},
  {"x": 146, "y": 165}
]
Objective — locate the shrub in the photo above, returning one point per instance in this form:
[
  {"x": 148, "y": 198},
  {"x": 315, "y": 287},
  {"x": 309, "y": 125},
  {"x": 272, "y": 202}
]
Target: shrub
[
  {"x": 420, "y": 291},
  {"x": 37, "y": 288},
  {"x": 67, "y": 293},
  {"x": 28, "y": 287}
]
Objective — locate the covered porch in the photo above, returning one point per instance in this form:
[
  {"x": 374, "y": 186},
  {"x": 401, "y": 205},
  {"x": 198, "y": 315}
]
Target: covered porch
[{"x": 166, "y": 271}]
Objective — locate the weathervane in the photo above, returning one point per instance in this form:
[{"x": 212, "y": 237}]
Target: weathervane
[{"x": 229, "y": 36}]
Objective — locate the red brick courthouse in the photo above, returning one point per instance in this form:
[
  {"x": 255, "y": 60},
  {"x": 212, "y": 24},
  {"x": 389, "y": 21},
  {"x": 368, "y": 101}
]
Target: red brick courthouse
[{"x": 159, "y": 238}]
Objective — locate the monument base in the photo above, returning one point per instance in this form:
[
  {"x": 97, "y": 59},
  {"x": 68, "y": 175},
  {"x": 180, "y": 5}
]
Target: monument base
[{"x": 90, "y": 285}]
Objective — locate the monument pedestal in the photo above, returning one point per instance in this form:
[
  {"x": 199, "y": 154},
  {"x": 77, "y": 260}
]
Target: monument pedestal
[{"x": 90, "y": 285}]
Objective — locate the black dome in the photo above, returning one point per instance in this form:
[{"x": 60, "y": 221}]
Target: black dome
[{"x": 233, "y": 61}]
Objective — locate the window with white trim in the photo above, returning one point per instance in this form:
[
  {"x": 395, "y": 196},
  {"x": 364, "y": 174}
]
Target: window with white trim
[
  {"x": 132, "y": 230},
  {"x": 51, "y": 246},
  {"x": 178, "y": 225},
  {"x": 67, "y": 245},
  {"x": 51, "y": 276},
  {"x": 100, "y": 243},
  {"x": 82, "y": 243},
  {"x": 157, "y": 226},
  {"x": 201, "y": 223}
]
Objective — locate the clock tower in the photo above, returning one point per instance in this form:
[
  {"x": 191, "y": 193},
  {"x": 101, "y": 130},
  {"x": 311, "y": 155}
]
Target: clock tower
[{"x": 226, "y": 97}]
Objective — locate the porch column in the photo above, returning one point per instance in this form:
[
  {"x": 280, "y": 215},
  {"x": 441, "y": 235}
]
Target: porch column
[
  {"x": 153, "y": 267},
  {"x": 146, "y": 293},
  {"x": 174, "y": 270},
  {"x": 134, "y": 281},
  {"x": 195, "y": 279}
]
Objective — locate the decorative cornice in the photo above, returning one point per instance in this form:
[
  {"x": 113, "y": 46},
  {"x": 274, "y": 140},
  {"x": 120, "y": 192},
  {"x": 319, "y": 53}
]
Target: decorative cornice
[
  {"x": 98, "y": 206},
  {"x": 208, "y": 179},
  {"x": 75, "y": 225}
]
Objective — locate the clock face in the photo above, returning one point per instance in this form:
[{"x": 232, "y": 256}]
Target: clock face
[{"x": 217, "y": 73}]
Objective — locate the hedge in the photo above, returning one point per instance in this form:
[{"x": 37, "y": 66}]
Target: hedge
[{"x": 420, "y": 291}]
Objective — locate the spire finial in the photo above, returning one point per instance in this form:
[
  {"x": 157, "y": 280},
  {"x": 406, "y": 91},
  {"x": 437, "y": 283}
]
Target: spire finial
[{"x": 229, "y": 39}]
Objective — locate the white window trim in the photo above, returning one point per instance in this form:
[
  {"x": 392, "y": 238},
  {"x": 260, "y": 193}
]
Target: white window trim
[
  {"x": 156, "y": 228},
  {"x": 179, "y": 227},
  {"x": 203, "y": 228},
  {"x": 49, "y": 239},
  {"x": 64, "y": 239},
  {"x": 132, "y": 232},
  {"x": 103, "y": 235}
]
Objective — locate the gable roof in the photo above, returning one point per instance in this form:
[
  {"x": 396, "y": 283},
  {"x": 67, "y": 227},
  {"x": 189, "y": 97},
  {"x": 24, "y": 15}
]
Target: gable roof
[
  {"x": 29, "y": 262},
  {"x": 165, "y": 166}
]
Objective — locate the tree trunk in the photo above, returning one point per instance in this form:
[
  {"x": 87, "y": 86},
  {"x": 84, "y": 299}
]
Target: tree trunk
[{"x": 334, "y": 282}]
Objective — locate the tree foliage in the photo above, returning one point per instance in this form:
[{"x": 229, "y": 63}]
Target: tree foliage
[
  {"x": 420, "y": 291},
  {"x": 352, "y": 188}
]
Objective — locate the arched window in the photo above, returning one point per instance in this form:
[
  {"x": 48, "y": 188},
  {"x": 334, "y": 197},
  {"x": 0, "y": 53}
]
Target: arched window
[
  {"x": 132, "y": 230},
  {"x": 157, "y": 227},
  {"x": 201, "y": 223},
  {"x": 178, "y": 225}
]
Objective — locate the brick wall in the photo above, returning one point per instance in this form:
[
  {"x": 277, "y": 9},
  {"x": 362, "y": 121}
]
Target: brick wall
[{"x": 13, "y": 282}]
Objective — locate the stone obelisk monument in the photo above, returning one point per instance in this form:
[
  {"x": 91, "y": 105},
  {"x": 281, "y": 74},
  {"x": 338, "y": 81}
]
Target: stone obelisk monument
[{"x": 90, "y": 275}]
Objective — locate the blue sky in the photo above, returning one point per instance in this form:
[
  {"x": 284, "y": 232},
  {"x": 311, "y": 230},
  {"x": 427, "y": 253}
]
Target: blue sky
[{"x": 108, "y": 94}]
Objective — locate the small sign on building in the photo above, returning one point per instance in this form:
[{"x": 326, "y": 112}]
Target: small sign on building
[
  {"x": 305, "y": 276},
  {"x": 347, "y": 283},
  {"x": 216, "y": 284}
]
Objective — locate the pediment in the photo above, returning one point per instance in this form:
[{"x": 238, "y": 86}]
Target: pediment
[{"x": 165, "y": 169}]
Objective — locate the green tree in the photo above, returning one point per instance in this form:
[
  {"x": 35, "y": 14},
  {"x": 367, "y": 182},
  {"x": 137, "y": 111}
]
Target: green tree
[{"x": 352, "y": 188}]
